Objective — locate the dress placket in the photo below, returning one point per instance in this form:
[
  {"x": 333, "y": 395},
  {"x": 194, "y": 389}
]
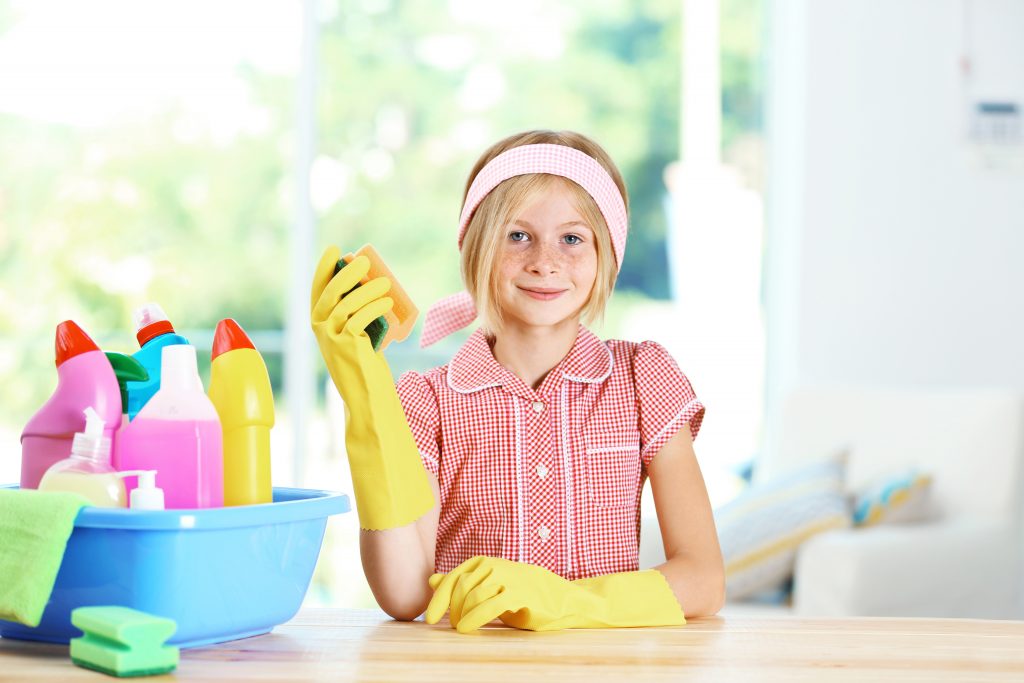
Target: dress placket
[{"x": 543, "y": 479}]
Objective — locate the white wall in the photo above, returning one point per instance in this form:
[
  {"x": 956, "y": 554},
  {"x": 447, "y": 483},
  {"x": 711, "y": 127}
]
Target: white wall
[
  {"x": 894, "y": 255},
  {"x": 894, "y": 243}
]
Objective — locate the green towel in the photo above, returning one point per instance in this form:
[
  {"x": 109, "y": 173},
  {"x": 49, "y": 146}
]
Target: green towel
[{"x": 34, "y": 531}]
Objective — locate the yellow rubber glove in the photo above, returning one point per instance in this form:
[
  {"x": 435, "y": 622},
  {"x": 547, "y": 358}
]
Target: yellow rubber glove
[
  {"x": 390, "y": 484},
  {"x": 533, "y": 598}
]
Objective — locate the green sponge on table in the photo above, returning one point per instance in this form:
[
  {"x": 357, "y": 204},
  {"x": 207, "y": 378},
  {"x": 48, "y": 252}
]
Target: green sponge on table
[{"x": 123, "y": 642}]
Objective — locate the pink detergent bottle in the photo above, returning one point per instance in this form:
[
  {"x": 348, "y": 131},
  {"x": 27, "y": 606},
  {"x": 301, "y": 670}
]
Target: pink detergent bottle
[
  {"x": 84, "y": 378},
  {"x": 178, "y": 434}
]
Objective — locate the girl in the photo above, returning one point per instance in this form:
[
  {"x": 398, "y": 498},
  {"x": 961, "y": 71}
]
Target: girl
[{"x": 515, "y": 471}]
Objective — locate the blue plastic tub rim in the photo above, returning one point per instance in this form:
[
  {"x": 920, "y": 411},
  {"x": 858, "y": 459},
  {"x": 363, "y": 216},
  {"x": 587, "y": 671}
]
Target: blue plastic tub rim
[{"x": 290, "y": 505}]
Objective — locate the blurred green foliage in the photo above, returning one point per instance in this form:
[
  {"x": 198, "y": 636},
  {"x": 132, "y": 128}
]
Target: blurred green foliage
[{"x": 95, "y": 221}]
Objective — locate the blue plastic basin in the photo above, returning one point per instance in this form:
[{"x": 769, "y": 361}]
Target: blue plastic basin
[{"x": 221, "y": 573}]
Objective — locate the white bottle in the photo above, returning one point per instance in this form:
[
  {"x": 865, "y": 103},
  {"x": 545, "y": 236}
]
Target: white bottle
[
  {"x": 178, "y": 434},
  {"x": 145, "y": 496},
  {"x": 88, "y": 471}
]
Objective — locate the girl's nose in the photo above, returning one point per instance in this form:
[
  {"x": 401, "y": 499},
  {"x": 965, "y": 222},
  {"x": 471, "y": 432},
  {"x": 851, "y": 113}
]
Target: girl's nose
[{"x": 543, "y": 259}]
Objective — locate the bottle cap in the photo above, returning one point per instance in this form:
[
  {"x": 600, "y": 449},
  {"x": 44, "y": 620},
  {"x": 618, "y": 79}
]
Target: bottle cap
[
  {"x": 228, "y": 337},
  {"x": 151, "y": 321},
  {"x": 145, "y": 496},
  {"x": 71, "y": 340},
  {"x": 91, "y": 443}
]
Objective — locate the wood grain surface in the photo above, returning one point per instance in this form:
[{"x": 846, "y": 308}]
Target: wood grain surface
[{"x": 342, "y": 645}]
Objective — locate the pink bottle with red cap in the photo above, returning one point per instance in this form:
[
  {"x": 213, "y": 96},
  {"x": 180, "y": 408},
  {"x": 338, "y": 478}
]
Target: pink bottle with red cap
[{"x": 84, "y": 378}]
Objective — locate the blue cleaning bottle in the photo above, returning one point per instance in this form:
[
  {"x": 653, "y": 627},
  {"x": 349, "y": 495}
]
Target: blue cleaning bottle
[{"x": 154, "y": 331}]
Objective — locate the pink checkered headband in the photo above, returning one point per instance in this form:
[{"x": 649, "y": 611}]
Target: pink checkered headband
[{"x": 458, "y": 310}]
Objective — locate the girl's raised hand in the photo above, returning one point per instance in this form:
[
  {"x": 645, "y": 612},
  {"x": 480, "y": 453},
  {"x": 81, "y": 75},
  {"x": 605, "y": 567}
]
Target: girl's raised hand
[
  {"x": 334, "y": 307},
  {"x": 388, "y": 479}
]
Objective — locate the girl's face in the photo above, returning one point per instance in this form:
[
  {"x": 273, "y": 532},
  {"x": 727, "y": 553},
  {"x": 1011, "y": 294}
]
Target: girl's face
[{"x": 548, "y": 262}]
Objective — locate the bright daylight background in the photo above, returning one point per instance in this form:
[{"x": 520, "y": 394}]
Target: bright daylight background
[{"x": 150, "y": 154}]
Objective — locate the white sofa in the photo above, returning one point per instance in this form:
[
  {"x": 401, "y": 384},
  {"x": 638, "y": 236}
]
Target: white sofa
[{"x": 964, "y": 562}]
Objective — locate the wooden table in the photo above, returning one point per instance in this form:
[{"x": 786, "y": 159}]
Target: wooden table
[{"x": 340, "y": 644}]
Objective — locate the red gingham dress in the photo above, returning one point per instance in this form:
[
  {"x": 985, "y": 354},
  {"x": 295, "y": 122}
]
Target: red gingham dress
[{"x": 550, "y": 477}]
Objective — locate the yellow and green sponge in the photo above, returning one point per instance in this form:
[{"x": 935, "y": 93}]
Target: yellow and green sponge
[{"x": 123, "y": 642}]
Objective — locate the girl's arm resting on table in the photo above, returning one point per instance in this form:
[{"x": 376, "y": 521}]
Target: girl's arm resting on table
[
  {"x": 397, "y": 562},
  {"x": 530, "y": 597},
  {"x": 694, "y": 568}
]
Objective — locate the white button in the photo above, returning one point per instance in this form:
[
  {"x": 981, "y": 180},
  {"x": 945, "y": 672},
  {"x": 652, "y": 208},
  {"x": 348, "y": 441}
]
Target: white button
[
  {"x": 538, "y": 406},
  {"x": 543, "y": 532},
  {"x": 542, "y": 471}
]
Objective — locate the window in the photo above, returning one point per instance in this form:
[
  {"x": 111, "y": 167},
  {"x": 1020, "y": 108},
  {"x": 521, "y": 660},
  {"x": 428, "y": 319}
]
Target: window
[{"x": 150, "y": 155}]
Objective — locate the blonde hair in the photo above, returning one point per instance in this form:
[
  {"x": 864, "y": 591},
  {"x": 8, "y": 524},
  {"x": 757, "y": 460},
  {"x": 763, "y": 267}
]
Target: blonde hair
[{"x": 483, "y": 240}]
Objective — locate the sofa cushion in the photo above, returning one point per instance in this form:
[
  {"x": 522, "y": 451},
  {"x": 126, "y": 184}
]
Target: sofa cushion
[
  {"x": 900, "y": 498},
  {"x": 761, "y": 529},
  {"x": 970, "y": 440}
]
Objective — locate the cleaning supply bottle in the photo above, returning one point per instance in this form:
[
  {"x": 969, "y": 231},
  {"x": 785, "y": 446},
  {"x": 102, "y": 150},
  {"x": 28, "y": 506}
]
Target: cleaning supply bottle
[
  {"x": 154, "y": 332},
  {"x": 240, "y": 391},
  {"x": 88, "y": 471},
  {"x": 178, "y": 434},
  {"x": 126, "y": 369},
  {"x": 84, "y": 378},
  {"x": 146, "y": 495}
]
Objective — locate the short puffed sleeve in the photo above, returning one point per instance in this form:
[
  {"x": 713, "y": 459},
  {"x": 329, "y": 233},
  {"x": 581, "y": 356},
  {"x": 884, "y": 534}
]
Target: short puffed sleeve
[
  {"x": 419, "y": 402},
  {"x": 665, "y": 399}
]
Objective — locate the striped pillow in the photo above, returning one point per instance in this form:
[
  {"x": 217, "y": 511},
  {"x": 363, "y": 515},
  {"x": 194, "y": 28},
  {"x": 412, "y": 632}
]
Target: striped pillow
[
  {"x": 900, "y": 499},
  {"x": 761, "y": 530}
]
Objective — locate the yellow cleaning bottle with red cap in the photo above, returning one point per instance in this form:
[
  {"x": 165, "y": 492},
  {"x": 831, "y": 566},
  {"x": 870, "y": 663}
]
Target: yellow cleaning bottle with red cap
[{"x": 240, "y": 391}]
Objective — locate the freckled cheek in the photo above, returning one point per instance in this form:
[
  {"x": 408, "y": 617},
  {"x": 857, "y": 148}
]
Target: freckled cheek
[
  {"x": 509, "y": 263},
  {"x": 506, "y": 269},
  {"x": 581, "y": 258},
  {"x": 584, "y": 262}
]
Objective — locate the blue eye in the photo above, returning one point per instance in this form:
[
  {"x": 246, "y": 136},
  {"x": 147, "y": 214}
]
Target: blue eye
[
  {"x": 518, "y": 236},
  {"x": 573, "y": 239}
]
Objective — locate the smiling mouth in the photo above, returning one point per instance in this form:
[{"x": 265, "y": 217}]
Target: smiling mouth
[{"x": 542, "y": 293}]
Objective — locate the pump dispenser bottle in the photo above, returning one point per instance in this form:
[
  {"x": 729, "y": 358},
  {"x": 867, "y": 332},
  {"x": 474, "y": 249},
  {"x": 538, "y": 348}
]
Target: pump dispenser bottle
[
  {"x": 147, "y": 495},
  {"x": 88, "y": 471}
]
